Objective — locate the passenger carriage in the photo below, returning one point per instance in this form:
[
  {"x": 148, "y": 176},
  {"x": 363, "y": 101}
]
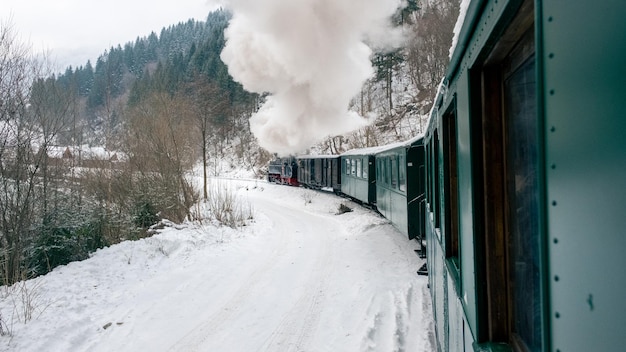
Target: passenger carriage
[
  {"x": 400, "y": 186},
  {"x": 358, "y": 175},
  {"x": 320, "y": 172},
  {"x": 526, "y": 185}
]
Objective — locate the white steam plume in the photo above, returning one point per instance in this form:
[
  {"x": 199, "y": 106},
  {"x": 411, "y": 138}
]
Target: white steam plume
[{"x": 311, "y": 57}]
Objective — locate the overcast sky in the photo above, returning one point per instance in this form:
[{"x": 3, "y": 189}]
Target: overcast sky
[{"x": 75, "y": 31}]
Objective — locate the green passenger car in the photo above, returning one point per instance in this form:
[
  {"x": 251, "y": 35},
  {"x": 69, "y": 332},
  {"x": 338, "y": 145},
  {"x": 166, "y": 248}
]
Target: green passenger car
[
  {"x": 397, "y": 199},
  {"x": 526, "y": 185},
  {"x": 358, "y": 175},
  {"x": 320, "y": 172}
]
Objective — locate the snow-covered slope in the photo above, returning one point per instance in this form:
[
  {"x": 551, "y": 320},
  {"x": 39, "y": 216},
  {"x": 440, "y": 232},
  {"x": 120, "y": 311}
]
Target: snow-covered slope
[{"x": 299, "y": 278}]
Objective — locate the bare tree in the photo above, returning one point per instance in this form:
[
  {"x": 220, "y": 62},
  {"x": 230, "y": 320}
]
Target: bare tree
[
  {"x": 49, "y": 106},
  {"x": 209, "y": 107},
  {"x": 160, "y": 143},
  {"x": 428, "y": 47},
  {"x": 22, "y": 129}
]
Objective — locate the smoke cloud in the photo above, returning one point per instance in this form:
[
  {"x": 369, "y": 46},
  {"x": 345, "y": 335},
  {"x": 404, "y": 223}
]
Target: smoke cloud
[{"x": 311, "y": 58}]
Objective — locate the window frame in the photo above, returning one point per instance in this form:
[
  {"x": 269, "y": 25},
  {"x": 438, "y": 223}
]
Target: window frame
[
  {"x": 393, "y": 166},
  {"x": 402, "y": 172},
  {"x": 451, "y": 191},
  {"x": 365, "y": 167},
  {"x": 490, "y": 189}
]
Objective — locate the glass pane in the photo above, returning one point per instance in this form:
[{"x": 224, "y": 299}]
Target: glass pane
[
  {"x": 394, "y": 172},
  {"x": 359, "y": 167},
  {"x": 523, "y": 200},
  {"x": 365, "y": 167},
  {"x": 402, "y": 173}
]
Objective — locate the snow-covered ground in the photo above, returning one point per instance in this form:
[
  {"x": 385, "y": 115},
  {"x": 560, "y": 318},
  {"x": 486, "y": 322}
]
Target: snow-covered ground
[{"x": 298, "y": 278}]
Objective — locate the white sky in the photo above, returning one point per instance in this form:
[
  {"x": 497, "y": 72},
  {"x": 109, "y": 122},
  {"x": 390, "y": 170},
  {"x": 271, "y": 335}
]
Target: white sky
[{"x": 74, "y": 31}]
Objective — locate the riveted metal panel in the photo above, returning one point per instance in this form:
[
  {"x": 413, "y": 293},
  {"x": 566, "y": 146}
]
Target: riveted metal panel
[{"x": 584, "y": 59}]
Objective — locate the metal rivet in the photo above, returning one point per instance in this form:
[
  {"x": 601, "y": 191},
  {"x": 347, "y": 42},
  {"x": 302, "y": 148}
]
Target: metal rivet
[
  {"x": 552, "y": 129},
  {"x": 551, "y": 91},
  {"x": 557, "y": 315},
  {"x": 551, "y": 55},
  {"x": 550, "y": 19},
  {"x": 554, "y": 203},
  {"x": 556, "y": 240},
  {"x": 556, "y": 278},
  {"x": 553, "y": 166}
]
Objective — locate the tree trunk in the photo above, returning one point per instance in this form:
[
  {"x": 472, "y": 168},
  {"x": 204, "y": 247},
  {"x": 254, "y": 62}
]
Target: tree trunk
[{"x": 204, "y": 165}]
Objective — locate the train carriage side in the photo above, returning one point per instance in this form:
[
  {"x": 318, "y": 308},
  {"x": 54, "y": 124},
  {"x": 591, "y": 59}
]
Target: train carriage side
[
  {"x": 320, "y": 172},
  {"x": 400, "y": 186},
  {"x": 526, "y": 180},
  {"x": 358, "y": 175},
  {"x": 303, "y": 171}
]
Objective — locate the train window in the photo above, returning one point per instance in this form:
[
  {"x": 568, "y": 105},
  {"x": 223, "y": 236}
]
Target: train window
[
  {"x": 429, "y": 192},
  {"x": 348, "y": 168},
  {"x": 451, "y": 188},
  {"x": 383, "y": 168},
  {"x": 353, "y": 167},
  {"x": 436, "y": 180},
  {"x": 523, "y": 195},
  {"x": 394, "y": 171},
  {"x": 507, "y": 187},
  {"x": 359, "y": 167},
  {"x": 365, "y": 167},
  {"x": 402, "y": 173}
]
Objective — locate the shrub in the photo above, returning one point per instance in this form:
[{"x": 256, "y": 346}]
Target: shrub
[
  {"x": 226, "y": 208},
  {"x": 59, "y": 245},
  {"x": 145, "y": 215}
]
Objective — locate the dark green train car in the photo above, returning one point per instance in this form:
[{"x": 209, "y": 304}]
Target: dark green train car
[
  {"x": 526, "y": 186},
  {"x": 320, "y": 172},
  {"x": 397, "y": 199},
  {"x": 358, "y": 175}
]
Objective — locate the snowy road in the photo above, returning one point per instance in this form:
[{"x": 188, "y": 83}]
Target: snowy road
[
  {"x": 280, "y": 289},
  {"x": 300, "y": 278}
]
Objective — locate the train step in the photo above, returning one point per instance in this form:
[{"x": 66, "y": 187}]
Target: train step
[{"x": 423, "y": 270}]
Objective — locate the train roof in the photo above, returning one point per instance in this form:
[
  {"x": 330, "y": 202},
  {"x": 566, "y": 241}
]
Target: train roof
[
  {"x": 384, "y": 148},
  {"x": 323, "y": 156},
  {"x": 469, "y": 15}
]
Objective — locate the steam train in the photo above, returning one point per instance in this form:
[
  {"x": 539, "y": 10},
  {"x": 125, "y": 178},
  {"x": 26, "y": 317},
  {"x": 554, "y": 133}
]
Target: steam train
[
  {"x": 518, "y": 185},
  {"x": 389, "y": 178}
]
